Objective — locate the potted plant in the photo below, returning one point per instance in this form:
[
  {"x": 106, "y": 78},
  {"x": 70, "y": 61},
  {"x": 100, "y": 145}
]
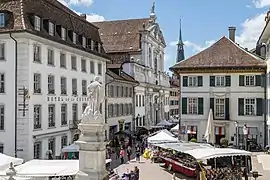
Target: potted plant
[
  {"x": 193, "y": 140},
  {"x": 224, "y": 142}
]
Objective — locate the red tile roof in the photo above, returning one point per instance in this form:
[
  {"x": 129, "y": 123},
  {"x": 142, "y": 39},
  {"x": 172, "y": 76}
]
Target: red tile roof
[{"x": 222, "y": 54}]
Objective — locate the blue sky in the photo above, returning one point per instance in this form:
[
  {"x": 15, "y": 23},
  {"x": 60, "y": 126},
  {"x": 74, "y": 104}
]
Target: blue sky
[{"x": 203, "y": 22}]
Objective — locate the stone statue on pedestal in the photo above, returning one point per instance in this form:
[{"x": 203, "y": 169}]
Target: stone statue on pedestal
[{"x": 96, "y": 96}]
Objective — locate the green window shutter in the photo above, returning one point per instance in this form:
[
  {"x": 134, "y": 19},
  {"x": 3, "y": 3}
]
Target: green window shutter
[
  {"x": 212, "y": 106},
  {"x": 185, "y": 81},
  {"x": 228, "y": 81},
  {"x": 184, "y": 105},
  {"x": 259, "y": 106},
  {"x": 200, "y": 81},
  {"x": 241, "y": 80},
  {"x": 258, "y": 80},
  {"x": 200, "y": 106},
  {"x": 212, "y": 81},
  {"x": 227, "y": 109},
  {"x": 241, "y": 109}
]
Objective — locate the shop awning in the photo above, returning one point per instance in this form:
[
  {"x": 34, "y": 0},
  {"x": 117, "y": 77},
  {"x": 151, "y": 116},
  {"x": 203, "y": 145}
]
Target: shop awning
[
  {"x": 162, "y": 137},
  {"x": 71, "y": 148},
  {"x": 5, "y": 161}
]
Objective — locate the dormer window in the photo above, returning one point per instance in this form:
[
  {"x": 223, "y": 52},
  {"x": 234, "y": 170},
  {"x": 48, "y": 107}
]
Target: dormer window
[
  {"x": 2, "y": 19},
  {"x": 37, "y": 23},
  {"x": 63, "y": 34},
  {"x": 51, "y": 29},
  {"x": 74, "y": 37},
  {"x": 84, "y": 42}
]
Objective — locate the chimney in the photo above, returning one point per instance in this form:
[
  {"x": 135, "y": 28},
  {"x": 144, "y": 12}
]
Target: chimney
[
  {"x": 232, "y": 33},
  {"x": 83, "y": 16}
]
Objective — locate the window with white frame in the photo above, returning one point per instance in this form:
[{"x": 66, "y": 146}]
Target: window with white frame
[
  {"x": 51, "y": 115},
  {"x": 192, "y": 105},
  {"x": 220, "y": 81},
  {"x": 84, "y": 87},
  {"x": 74, "y": 37},
  {"x": 2, "y": 51},
  {"x": 37, "y": 116},
  {"x": 74, "y": 87},
  {"x": 219, "y": 108},
  {"x": 63, "y": 61},
  {"x": 99, "y": 69},
  {"x": 192, "y": 81},
  {"x": 37, "y": 83},
  {"x": 37, "y": 149},
  {"x": 2, "y": 19},
  {"x": 37, "y": 23},
  {"x": 84, "y": 42},
  {"x": 63, "y": 141},
  {"x": 63, "y": 34},
  {"x": 111, "y": 91},
  {"x": 51, "y": 29},
  {"x": 2, "y": 83},
  {"x": 110, "y": 110},
  {"x": 83, "y": 65},
  {"x": 50, "y": 57},
  {"x": 51, "y": 89},
  {"x": 73, "y": 63},
  {"x": 250, "y": 80},
  {"x": 63, "y": 114},
  {"x": 250, "y": 107},
  {"x": 92, "y": 67},
  {"x": 2, "y": 117},
  {"x": 37, "y": 53},
  {"x": 74, "y": 112},
  {"x": 51, "y": 145},
  {"x": 63, "y": 85}
]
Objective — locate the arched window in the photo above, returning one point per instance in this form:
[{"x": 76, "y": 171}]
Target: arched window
[
  {"x": 150, "y": 57},
  {"x": 155, "y": 64}
]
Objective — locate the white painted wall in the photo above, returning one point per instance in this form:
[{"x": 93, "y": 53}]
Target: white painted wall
[
  {"x": 26, "y": 68},
  {"x": 234, "y": 92}
]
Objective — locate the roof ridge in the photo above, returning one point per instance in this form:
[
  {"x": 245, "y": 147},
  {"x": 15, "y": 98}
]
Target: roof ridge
[{"x": 122, "y": 20}]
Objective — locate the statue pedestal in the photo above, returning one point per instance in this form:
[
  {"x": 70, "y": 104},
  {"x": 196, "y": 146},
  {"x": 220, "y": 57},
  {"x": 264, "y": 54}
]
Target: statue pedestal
[{"x": 92, "y": 160}]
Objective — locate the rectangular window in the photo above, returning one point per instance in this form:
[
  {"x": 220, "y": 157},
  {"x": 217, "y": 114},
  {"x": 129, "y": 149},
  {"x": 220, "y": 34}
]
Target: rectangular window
[
  {"x": 83, "y": 65},
  {"x": 84, "y": 87},
  {"x": 51, "y": 115},
  {"x": 192, "y": 81},
  {"x": 99, "y": 69},
  {"x": 74, "y": 38},
  {"x": 50, "y": 57},
  {"x": 63, "y": 85},
  {"x": 74, "y": 112},
  {"x": 192, "y": 105},
  {"x": 37, "y": 83},
  {"x": 84, "y": 42},
  {"x": 140, "y": 101},
  {"x": 74, "y": 87},
  {"x": 126, "y": 92},
  {"x": 73, "y": 63},
  {"x": 2, "y": 51},
  {"x": 63, "y": 114},
  {"x": 51, "y": 146},
  {"x": 51, "y": 29},
  {"x": 220, "y": 81},
  {"x": 92, "y": 67},
  {"x": 2, "y": 19},
  {"x": 37, "y": 116},
  {"x": 37, "y": 53},
  {"x": 51, "y": 89},
  {"x": 249, "y": 80},
  {"x": 63, "y": 141},
  {"x": 63, "y": 34},
  {"x": 37, "y": 23},
  {"x": 250, "y": 107},
  {"x": 137, "y": 100},
  {"x": 63, "y": 61},
  {"x": 219, "y": 108},
  {"x": 37, "y": 150},
  {"x": 2, "y": 117},
  {"x": 2, "y": 83}
]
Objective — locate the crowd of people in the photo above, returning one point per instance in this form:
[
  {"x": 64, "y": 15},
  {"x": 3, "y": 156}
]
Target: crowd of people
[{"x": 223, "y": 174}]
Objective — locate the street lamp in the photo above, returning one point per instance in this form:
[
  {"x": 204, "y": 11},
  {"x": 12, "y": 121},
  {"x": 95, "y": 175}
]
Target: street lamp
[
  {"x": 236, "y": 133},
  {"x": 245, "y": 132}
]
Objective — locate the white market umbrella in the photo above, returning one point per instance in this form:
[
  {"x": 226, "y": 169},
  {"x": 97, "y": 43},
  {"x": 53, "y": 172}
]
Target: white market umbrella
[{"x": 209, "y": 133}]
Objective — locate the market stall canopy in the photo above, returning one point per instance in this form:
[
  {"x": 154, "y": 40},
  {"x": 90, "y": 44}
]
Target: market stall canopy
[
  {"x": 71, "y": 148},
  {"x": 46, "y": 168},
  {"x": 175, "y": 128},
  {"x": 5, "y": 161},
  {"x": 162, "y": 137},
  {"x": 164, "y": 123}
]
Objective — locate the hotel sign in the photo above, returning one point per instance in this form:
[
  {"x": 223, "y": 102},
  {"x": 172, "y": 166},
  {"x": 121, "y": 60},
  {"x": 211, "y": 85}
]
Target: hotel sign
[{"x": 66, "y": 99}]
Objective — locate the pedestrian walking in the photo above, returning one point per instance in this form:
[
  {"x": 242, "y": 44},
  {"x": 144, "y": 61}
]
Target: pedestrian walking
[
  {"x": 129, "y": 152},
  {"x": 138, "y": 153},
  {"x": 122, "y": 155},
  {"x": 137, "y": 172}
]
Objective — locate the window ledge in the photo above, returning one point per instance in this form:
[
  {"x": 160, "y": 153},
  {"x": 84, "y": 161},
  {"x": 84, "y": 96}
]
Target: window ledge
[
  {"x": 38, "y": 62},
  {"x": 53, "y": 127},
  {"x": 63, "y": 67},
  {"x": 2, "y": 130},
  {"x": 51, "y": 94},
  {"x": 51, "y": 65},
  {"x": 38, "y": 129},
  {"x": 63, "y": 95},
  {"x": 37, "y": 93},
  {"x": 73, "y": 69},
  {"x": 2, "y": 93},
  {"x": 2, "y": 59},
  {"x": 64, "y": 125}
]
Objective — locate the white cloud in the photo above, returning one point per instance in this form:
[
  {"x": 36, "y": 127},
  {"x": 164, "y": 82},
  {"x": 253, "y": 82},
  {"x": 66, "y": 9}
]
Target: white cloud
[
  {"x": 261, "y": 3},
  {"x": 89, "y": 17}
]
